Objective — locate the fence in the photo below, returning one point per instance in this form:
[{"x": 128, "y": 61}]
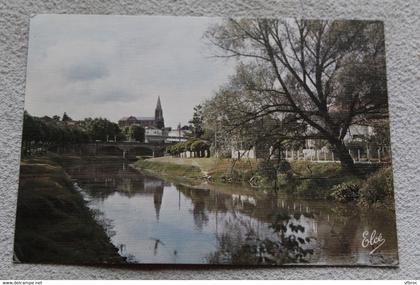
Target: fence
[
  {"x": 191, "y": 154},
  {"x": 367, "y": 155}
]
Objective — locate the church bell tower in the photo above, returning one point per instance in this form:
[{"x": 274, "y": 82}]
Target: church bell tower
[{"x": 159, "y": 122}]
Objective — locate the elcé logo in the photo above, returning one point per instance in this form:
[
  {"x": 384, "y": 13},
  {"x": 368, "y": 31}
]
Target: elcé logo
[{"x": 374, "y": 239}]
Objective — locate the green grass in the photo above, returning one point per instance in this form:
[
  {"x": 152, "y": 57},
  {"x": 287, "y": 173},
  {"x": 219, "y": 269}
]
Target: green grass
[
  {"x": 317, "y": 180},
  {"x": 194, "y": 168},
  {"x": 315, "y": 169},
  {"x": 53, "y": 224},
  {"x": 169, "y": 169},
  {"x": 205, "y": 164}
]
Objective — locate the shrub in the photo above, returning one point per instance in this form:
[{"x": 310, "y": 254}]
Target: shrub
[
  {"x": 313, "y": 169},
  {"x": 240, "y": 175},
  {"x": 199, "y": 146},
  {"x": 284, "y": 166},
  {"x": 266, "y": 169},
  {"x": 188, "y": 144},
  {"x": 313, "y": 188},
  {"x": 345, "y": 192},
  {"x": 283, "y": 179},
  {"x": 378, "y": 188}
]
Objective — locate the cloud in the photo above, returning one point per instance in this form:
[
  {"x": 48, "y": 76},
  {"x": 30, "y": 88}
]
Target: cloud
[
  {"x": 86, "y": 71},
  {"x": 114, "y": 66}
]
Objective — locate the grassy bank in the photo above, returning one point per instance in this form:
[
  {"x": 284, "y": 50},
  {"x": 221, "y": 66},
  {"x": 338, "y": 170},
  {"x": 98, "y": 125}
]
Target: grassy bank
[
  {"x": 300, "y": 178},
  {"x": 167, "y": 168},
  {"x": 219, "y": 170},
  {"x": 314, "y": 180},
  {"x": 228, "y": 171},
  {"x": 372, "y": 186},
  {"x": 53, "y": 223}
]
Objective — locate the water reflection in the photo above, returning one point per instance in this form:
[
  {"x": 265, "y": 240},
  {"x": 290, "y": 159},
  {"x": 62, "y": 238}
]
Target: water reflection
[{"x": 153, "y": 221}]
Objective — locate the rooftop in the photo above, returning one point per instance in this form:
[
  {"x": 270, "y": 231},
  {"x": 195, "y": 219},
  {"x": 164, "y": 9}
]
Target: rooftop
[{"x": 138, "y": 118}]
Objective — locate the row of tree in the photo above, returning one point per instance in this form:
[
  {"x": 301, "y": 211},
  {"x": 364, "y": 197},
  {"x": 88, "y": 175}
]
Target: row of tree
[
  {"x": 198, "y": 147},
  {"x": 43, "y": 132}
]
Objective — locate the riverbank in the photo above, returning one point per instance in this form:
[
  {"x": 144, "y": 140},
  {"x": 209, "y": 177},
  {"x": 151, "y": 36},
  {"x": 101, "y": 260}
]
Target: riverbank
[
  {"x": 53, "y": 223},
  {"x": 198, "y": 171},
  {"x": 374, "y": 186}
]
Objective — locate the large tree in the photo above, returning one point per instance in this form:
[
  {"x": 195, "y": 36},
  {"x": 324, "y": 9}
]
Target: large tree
[
  {"x": 47, "y": 132},
  {"x": 101, "y": 129},
  {"x": 135, "y": 132},
  {"x": 327, "y": 75},
  {"x": 196, "y": 123}
]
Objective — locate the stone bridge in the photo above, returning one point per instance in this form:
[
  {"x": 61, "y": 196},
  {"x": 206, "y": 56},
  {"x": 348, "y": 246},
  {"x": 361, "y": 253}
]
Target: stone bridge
[{"x": 157, "y": 148}]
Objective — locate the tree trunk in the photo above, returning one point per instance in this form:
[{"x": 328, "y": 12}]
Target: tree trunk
[{"x": 342, "y": 152}]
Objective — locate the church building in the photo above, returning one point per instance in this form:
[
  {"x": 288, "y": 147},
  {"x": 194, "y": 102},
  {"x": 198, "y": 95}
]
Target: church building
[{"x": 147, "y": 122}]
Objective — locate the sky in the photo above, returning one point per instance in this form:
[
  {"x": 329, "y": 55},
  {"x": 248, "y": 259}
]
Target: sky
[{"x": 116, "y": 66}]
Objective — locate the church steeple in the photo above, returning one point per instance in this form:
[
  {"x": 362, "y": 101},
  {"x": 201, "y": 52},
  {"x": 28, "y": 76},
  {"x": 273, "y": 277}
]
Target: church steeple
[
  {"x": 159, "y": 121},
  {"x": 158, "y": 106},
  {"x": 157, "y": 201}
]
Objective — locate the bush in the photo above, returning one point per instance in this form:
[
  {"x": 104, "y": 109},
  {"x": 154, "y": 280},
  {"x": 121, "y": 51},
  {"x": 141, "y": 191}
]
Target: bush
[
  {"x": 318, "y": 180},
  {"x": 284, "y": 166},
  {"x": 283, "y": 179},
  {"x": 378, "y": 188},
  {"x": 345, "y": 192},
  {"x": 267, "y": 170},
  {"x": 314, "y": 169},
  {"x": 313, "y": 188}
]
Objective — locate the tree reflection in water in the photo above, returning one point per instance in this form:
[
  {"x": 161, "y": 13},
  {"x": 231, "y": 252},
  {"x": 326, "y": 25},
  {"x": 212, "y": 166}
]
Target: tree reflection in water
[
  {"x": 100, "y": 180},
  {"x": 151, "y": 220},
  {"x": 251, "y": 231},
  {"x": 242, "y": 243}
]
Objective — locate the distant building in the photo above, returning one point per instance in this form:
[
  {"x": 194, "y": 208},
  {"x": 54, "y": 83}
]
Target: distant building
[
  {"x": 147, "y": 122},
  {"x": 314, "y": 148},
  {"x": 359, "y": 133},
  {"x": 153, "y": 135},
  {"x": 167, "y": 135},
  {"x": 355, "y": 133},
  {"x": 176, "y": 135}
]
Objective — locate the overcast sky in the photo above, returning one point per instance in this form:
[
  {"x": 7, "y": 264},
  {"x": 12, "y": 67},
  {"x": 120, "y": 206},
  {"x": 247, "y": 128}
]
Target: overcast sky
[{"x": 115, "y": 66}]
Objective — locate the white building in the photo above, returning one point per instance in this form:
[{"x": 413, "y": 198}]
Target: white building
[
  {"x": 177, "y": 135},
  {"x": 354, "y": 133},
  {"x": 358, "y": 132},
  {"x": 152, "y": 135}
]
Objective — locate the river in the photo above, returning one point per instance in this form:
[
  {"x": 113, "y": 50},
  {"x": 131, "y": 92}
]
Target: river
[{"x": 154, "y": 221}]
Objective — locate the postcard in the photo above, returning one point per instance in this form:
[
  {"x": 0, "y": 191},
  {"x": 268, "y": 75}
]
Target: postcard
[{"x": 200, "y": 140}]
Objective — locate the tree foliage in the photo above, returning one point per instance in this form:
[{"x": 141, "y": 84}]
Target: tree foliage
[
  {"x": 199, "y": 147},
  {"x": 101, "y": 129},
  {"x": 321, "y": 75},
  {"x": 134, "y": 132},
  {"x": 48, "y": 131},
  {"x": 45, "y": 132},
  {"x": 197, "y": 122}
]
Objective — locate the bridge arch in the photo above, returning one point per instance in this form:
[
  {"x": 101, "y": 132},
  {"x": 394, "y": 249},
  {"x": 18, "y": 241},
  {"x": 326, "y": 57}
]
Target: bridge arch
[
  {"x": 142, "y": 151},
  {"x": 128, "y": 148},
  {"x": 109, "y": 150}
]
